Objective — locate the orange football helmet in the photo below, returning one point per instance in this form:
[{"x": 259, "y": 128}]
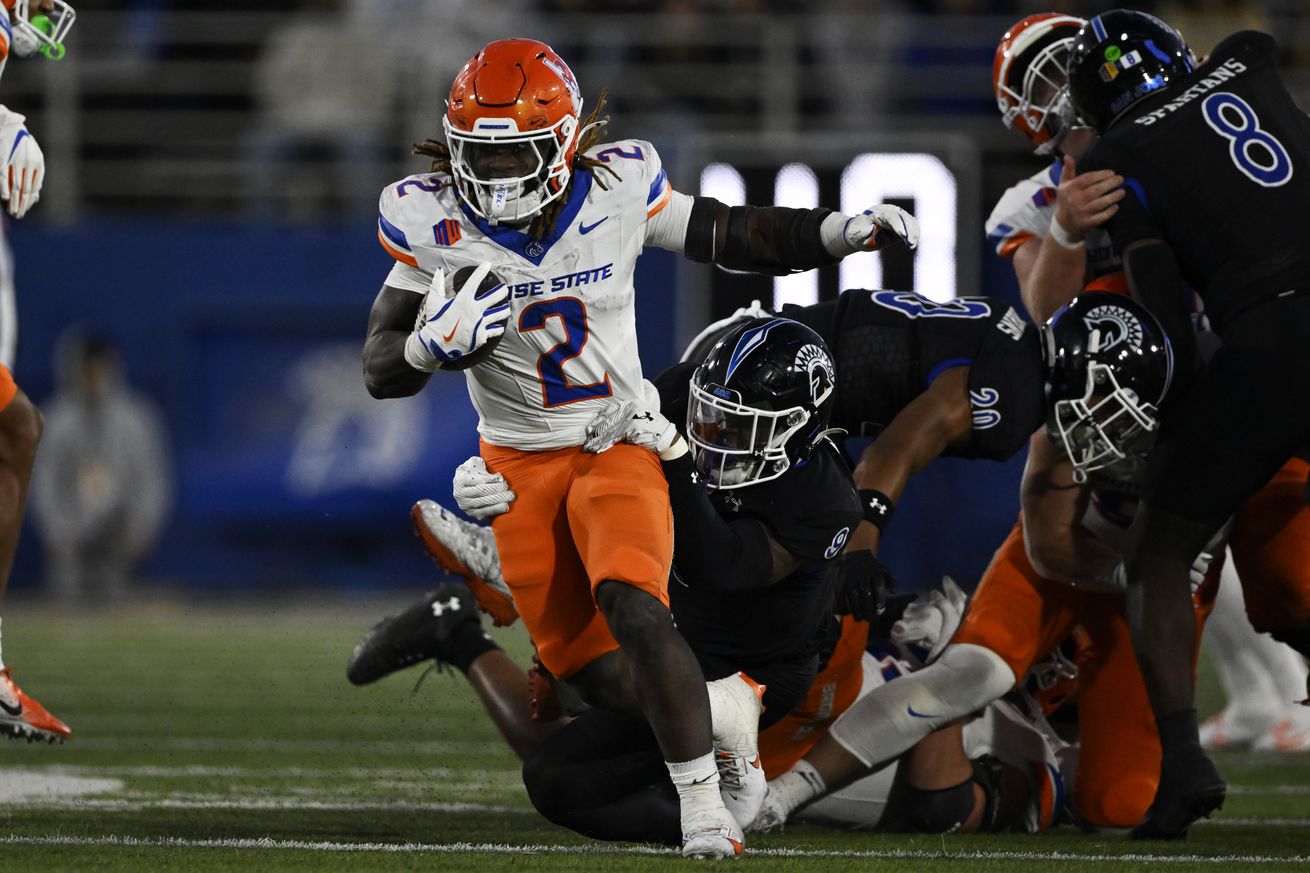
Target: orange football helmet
[
  {"x": 512, "y": 127},
  {"x": 1028, "y": 75}
]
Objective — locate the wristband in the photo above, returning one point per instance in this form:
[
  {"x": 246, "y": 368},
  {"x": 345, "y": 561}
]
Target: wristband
[
  {"x": 676, "y": 449},
  {"x": 877, "y": 507},
  {"x": 417, "y": 354},
  {"x": 1062, "y": 236}
]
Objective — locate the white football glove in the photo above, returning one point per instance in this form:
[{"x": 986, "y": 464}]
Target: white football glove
[
  {"x": 1200, "y": 567},
  {"x": 875, "y": 228},
  {"x": 481, "y": 494},
  {"x": 452, "y": 322},
  {"x": 932, "y": 619},
  {"x": 631, "y": 421},
  {"x": 24, "y": 168}
]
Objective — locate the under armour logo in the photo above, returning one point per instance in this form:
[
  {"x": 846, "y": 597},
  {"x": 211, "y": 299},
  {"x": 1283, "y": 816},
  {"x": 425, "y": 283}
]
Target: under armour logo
[
  {"x": 878, "y": 506},
  {"x": 438, "y": 607},
  {"x": 643, "y": 416}
]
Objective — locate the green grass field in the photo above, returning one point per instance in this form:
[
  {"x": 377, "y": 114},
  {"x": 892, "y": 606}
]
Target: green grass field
[{"x": 213, "y": 738}]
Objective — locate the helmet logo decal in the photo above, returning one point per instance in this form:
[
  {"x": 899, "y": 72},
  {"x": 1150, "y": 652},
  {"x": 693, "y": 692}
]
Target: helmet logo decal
[
  {"x": 749, "y": 342},
  {"x": 1112, "y": 53},
  {"x": 818, "y": 366},
  {"x": 1125, "y": 62},
  {"x": 566, "y": 76},
  {"x": 1111, "y": 326}
]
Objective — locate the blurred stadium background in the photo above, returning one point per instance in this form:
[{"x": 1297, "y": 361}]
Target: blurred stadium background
[{"x": 213, "y": 173}]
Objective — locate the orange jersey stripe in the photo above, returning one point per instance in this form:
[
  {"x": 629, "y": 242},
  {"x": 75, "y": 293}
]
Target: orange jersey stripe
[
  {"x": 396, "y": 253},
  {"x": 1007, "y": 248},
  {"x": 662, "y": 201}
]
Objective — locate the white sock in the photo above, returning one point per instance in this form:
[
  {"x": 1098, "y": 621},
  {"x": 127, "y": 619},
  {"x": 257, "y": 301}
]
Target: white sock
[
  {"x": 798, "y": 786},
  {"x": 697, "y": 782}
]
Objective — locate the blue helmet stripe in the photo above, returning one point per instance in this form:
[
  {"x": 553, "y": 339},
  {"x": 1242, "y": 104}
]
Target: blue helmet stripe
[
  {"x": 1098, "y": 28},
  {"x": 749, "y": 342}
]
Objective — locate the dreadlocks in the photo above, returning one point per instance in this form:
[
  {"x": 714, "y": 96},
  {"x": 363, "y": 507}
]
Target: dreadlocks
[{"x": 545, "y": 222}]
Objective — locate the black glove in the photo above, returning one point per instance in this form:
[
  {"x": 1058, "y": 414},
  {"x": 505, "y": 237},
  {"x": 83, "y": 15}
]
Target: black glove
[{"x": 863, "y": 584}]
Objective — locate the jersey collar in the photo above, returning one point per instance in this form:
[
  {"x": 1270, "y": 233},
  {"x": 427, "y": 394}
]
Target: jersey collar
[{"x": 523, "y": 244}]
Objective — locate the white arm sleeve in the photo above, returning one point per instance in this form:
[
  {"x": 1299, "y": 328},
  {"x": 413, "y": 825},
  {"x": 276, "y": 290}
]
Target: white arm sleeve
[
  {"x": 409, "y": 278},
  {"x": 668, "y": 229}
]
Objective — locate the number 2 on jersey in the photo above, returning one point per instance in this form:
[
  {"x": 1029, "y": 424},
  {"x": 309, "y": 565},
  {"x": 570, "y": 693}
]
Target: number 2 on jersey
[
  {"x": 556, "y": 389},
  {"x": 1233, "y": 118}
]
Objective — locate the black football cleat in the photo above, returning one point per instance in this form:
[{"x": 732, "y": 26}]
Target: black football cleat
[
  {"x": 1187, "y": 792},
  {"x": 417, "y": 633}
]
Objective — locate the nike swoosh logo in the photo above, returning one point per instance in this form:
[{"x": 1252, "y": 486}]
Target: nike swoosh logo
[
  {"x": 447, "y": 337},
  {"x": 703, "y": 781},
  {"x": 12, "y": 710},
  {"x": 910, "y": 710},
  {"x": 588, "y": 228}
]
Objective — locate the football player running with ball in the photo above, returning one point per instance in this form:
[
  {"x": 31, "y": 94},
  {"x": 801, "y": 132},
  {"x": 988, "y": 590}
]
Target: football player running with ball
[
  {"x": 1209, "y": 154},
  {"x": 27, "y": 28},
  {"x": 524, "y": 188}
]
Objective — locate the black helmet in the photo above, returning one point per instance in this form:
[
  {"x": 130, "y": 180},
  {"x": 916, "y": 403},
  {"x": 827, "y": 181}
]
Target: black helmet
[
  {"x": 1119, "y": 58},
  {"x": 1109, "y": 364},
  {"x": 760, "y": 402}
]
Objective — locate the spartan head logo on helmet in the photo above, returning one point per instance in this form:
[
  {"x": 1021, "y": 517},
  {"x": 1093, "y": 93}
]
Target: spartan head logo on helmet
[
  {"x": 815, "y": 361},
  {"x": 1111, "y": 326}
]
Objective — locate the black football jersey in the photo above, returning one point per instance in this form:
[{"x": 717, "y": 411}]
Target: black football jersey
[
  {"x": 1218, "y": 166},
  {"x": 889, "y": 346},
  {"x": 810, "y": 511}
]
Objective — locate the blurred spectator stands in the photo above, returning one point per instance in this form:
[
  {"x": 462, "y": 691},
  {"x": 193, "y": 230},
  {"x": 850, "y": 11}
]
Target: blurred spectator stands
[{"x": 154, "y": 109}]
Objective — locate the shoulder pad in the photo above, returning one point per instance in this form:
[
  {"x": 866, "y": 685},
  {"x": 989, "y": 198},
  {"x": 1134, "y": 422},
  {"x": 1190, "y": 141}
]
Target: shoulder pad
[
  {"x": 415, "y": 202},
  {"x": 636, "y": 169}
]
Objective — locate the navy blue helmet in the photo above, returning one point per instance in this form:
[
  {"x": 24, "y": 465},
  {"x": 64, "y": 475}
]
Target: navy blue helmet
[{"x": 1120, "y": 58}]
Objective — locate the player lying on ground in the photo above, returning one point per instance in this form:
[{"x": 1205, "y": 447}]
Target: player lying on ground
[
  {"x": 1055, "y": 575},
  {"x": 524, "y": 187}
]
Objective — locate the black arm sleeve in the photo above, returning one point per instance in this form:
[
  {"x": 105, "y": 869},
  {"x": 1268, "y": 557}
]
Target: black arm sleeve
[
  {"x": 760, "y": 239},
  {"x": 1155, "y": 279},
  {"x": 710, "y": 552}
]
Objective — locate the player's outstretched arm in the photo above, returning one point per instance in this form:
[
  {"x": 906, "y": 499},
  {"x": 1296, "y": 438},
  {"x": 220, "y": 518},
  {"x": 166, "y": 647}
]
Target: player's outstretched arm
[
  {"x": 1058, "y": 546},
  {"x": 775, "y": 240},
  {"x": 936, "y": 419},
  {"x": 390, "y": 322}
]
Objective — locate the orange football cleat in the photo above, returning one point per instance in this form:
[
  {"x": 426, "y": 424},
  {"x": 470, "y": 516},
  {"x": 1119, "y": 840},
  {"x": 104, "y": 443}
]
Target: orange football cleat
[
  {"x": 468, "y": 551},
  {"x": 22, "y": 718}
]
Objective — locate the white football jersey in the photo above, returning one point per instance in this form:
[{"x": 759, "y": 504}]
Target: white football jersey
[
  {"x": 1026, "y": 210},
  {"x": 571, "y": 339}
]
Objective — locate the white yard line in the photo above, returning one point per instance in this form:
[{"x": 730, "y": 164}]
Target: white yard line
[{"x": 605, "y": 849}]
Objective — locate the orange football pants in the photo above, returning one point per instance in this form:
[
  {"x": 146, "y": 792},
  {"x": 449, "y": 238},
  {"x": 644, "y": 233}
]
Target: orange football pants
[
  {"x": 834, "y": 689},
  {"x": 1271, "y": 550},
  {"x": 577, "y": 520},
  {"x": 1022, "y": 616}
]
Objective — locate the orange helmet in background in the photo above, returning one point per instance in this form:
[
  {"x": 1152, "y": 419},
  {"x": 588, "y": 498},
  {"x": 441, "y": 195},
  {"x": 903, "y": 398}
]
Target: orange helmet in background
[
  {"x": 1029, "y": 78},
  {"x": 516, "y": 96}
]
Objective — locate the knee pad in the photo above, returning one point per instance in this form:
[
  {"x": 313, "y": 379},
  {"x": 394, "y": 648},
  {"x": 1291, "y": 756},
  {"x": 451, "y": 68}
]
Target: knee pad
[
  {"x": 891, "y": 718},
  {"x": 942, "y": 810}
]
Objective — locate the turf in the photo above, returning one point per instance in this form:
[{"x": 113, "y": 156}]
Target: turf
[{"x": 227, "y": 738}]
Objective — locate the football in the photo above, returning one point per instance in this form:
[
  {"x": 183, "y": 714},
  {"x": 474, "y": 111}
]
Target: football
[{"x": 487, "y": 349}]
